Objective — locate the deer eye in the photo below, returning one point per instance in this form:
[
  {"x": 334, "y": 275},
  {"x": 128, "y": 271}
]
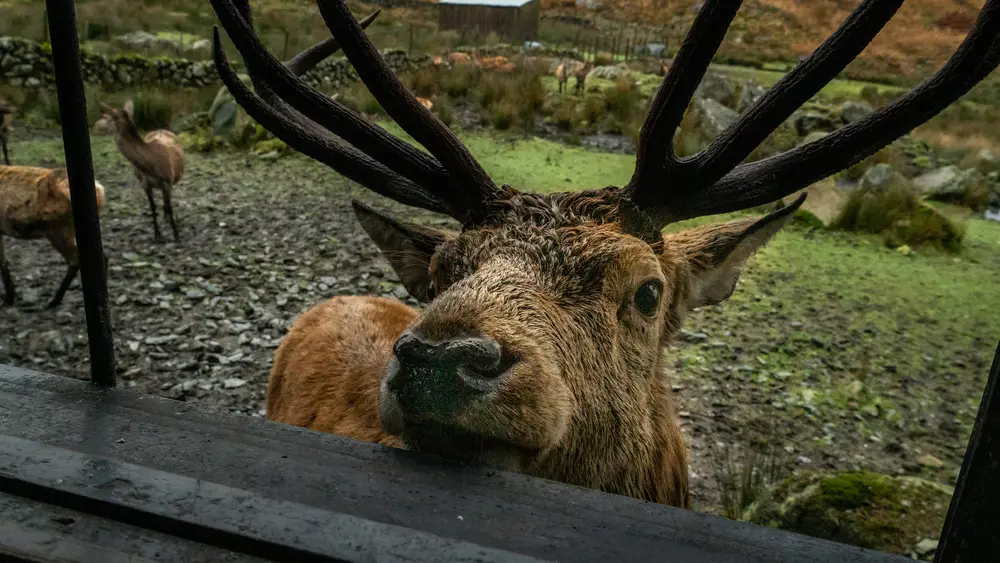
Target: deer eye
[{"x": 647, "y": 297}]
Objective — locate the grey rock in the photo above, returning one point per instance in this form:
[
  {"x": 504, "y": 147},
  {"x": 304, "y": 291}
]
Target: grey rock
[
  {"x": 810, "y": 121},
  {"x": 717, "y": 87},
  {"x": 926, "y": 546},
  {"x": 752, "y": 91},
  {"x": 854, "y": 110},
  {"x": 812, "y": 137},
  {"x": 949, "y": 182}
]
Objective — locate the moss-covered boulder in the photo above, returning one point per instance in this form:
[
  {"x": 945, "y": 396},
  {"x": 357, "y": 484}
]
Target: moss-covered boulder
[
  {"x": 894, "y": 209},
  {"x": 890, "y": 514}
]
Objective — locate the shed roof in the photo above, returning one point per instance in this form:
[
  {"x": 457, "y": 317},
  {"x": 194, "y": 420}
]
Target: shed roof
[{"x": 503, "y": 3}]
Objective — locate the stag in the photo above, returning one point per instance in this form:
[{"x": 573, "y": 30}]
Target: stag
[
  {"x": 157, "y": 158},
  {"x": 539, "y": 348},
  {"x": 7, "y": 110},
  {"x": 35, "y": 203}
]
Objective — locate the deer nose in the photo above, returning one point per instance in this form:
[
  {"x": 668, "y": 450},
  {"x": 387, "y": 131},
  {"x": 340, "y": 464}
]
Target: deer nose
[{"x": 443, "y": 375}]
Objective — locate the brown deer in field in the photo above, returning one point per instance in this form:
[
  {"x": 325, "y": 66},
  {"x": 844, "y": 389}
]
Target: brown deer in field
[
  {"x": 539, "y": 349},
  {"x": 577, "y": 70},
  {"x": 7, "y": 110},
  {"x": 35, "y": 203},
  {"x": 157, "y": 159}
]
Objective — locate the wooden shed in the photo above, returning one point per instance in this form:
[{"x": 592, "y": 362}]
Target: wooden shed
[{"x": 510, "y": 19}]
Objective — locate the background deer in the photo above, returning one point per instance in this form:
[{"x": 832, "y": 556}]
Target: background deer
[
  {"x": 575, "y": 69},
  {"x": 157, "y": 158},
  {"x": 7, "y": 110},
  {"x": 539, "y": 349},
  {"x": 35, "y": 203}
]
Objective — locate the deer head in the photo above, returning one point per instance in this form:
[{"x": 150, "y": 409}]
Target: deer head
[
  {"x": 114, "y": 121},
  {"x": 539, "y": 346}
]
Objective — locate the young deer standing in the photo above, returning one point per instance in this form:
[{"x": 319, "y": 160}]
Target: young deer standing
[
  {"x": 539, "y": 349},
  {"x": 157, "y": 158},
  {"x": 35, "y": 203},
  {"x": 578, "y": 70},
  {"x": 7, "y": 110}
]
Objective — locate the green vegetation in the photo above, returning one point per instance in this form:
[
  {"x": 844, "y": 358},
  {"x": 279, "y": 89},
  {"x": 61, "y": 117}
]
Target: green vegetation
[
  {"x": 890, "y": 514},
  {"x": 897, "y": 213}
]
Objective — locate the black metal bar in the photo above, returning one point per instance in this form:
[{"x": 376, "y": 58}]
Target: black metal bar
[
  {"x": 970, "y": 530},
  {"x": 80, "y": 169}
]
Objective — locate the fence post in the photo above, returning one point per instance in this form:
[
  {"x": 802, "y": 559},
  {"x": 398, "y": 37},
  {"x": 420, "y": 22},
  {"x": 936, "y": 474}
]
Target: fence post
[
  {"x": 80, "y": 170},
  {"x": 969, "y": 532}
]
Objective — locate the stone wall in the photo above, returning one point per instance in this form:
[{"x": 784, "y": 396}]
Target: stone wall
[{"x": 28, "y": 64}]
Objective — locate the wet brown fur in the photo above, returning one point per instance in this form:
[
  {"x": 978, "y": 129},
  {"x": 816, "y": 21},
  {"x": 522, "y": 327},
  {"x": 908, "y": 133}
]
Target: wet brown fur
[
  {"x": 35, "y": 203},
  {"x": 551, "y": 278},
  {"x": 157, "y": 159}
]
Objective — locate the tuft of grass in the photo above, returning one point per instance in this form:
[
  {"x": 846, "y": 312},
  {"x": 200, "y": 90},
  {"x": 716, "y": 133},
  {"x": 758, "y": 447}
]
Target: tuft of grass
[{"x": 744, "y": 478}]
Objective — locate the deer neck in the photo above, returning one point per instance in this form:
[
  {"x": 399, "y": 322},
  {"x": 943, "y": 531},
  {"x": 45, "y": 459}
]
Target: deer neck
[
  {"x": 638, "y": 455},
  {"x": 134, "y": 148}
]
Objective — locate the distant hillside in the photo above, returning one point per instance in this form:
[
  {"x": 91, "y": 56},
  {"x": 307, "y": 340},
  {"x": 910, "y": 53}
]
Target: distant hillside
[
  {"x": 923, "y": 34},
  {"x": 919, "y": 39}
]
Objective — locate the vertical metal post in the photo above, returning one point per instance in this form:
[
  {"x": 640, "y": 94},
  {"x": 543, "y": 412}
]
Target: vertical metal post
[
  {"x": 80, "y": 169},
  {"x": 972, "y": 528}
]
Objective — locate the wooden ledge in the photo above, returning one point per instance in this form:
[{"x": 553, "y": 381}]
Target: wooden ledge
[{"x": 215, "y": 487}]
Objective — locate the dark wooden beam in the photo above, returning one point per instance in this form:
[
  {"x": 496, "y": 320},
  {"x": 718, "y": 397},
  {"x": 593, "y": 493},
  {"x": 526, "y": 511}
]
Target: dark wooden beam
[
  {"x": 972, "y": 528},
  {"x": 168, "y": 451},
  {"x": 36, "y": 531},
  {"x": 80, "y": 169}
]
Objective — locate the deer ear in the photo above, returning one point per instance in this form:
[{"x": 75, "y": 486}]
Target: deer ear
[
  {"x": 129, "y": 109},
  {"x": 408, "y": 248},
  {"x": 716, "y": 254},
  {"x": 105, "y": 108}
]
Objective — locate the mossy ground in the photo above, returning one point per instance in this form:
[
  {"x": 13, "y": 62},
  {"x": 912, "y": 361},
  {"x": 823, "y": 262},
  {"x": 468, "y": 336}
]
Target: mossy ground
[{"x": 862, "y": 508}]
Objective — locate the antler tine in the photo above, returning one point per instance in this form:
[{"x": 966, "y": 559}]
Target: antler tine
[
  {"x": 301, "y": 63},
  {"x": 780, "y": 175},
  {"x": 655, "y": 152},
  {"x": 403, "y": 107},
  {"x": 398, "y": 155},
  {"x": 303, "y": 136},
  {"x": 794, "y": 89}
]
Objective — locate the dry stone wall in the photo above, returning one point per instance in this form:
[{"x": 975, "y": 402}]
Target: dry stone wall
[{"x": 28, "y": 64}]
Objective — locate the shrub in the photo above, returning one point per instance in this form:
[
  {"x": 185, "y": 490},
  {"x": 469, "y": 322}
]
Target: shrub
[
  {"x": 153, "y": 110},
  {"x": 897, "y": 213},
  {"x": 443, "y": 110},
  {"x": 425, "y": 82},
  {"x": 564, "y": 114},
  {"x": 457, "y": 82},
  {"x": 976, "y": 196},
  {"x": 504, "y": 114}
]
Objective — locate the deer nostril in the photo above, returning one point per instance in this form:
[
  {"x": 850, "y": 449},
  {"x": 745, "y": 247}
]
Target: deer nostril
[
  {"x": 477, "y": 357},
  {"x": 477, "y": 362}
]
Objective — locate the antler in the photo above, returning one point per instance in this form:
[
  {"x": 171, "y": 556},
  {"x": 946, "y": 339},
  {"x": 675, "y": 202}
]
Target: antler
[
  {"x": 713, "y": 181},
  {"x": 311, "y": 122}
]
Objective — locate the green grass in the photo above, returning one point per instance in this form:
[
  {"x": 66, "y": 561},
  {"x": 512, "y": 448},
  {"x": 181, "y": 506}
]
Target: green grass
[
  {"x": 839, "y": 88},
  {"x": 540, "y": 165}
]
